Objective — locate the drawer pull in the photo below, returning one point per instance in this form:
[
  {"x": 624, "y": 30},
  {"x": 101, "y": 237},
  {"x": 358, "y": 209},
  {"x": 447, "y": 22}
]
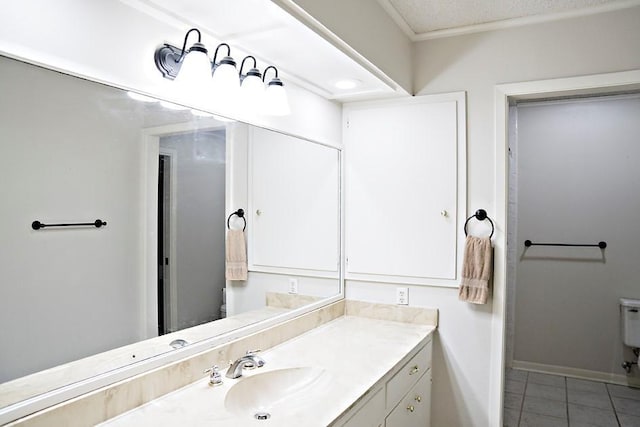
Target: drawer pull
[
  {"x": 410, "y": 408},
  {"x": 414, "y": 370},
  {"x": 418, "y": 399}
]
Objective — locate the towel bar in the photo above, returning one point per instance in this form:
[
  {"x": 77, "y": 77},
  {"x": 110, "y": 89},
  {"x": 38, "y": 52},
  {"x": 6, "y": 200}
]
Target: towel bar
[
  {"x": 37, "y": 225},
  {"x": 600, "y": 245}
]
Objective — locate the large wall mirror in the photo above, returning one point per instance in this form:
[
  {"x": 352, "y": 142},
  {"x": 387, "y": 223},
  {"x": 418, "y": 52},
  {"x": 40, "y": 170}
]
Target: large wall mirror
[{"x": 79, "y": 301}]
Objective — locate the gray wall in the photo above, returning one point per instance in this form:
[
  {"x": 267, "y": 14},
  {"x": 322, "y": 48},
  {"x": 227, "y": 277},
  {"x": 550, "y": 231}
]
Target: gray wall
[
  {"x": 71, "y": 152},
  {"x": 201, "y": 222},
  {"x": 578, "y": 182}
]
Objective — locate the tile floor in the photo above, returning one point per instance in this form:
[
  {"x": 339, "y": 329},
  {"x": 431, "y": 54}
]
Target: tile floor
[{"x": 540, "y": 400}]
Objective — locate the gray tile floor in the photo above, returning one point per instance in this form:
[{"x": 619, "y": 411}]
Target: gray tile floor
[{"x": 540, "y": 400}]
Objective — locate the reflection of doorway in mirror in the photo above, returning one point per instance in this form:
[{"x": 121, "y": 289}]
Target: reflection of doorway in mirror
[
  {"x": 166, "y": 242},
  {"x": 191, "y": 205}
]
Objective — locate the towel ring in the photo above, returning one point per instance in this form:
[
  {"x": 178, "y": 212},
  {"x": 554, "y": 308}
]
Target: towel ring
[
  {"x": 240, "y": 214},
  {"x": 480, "y": 215}
]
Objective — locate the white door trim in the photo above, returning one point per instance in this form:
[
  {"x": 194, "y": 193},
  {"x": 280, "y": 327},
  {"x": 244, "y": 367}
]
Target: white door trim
[{"x": 572, "y": 86}]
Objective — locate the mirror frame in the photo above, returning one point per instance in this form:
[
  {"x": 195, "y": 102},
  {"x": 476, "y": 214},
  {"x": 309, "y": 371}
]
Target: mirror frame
[{"x": 61, "y": 394}]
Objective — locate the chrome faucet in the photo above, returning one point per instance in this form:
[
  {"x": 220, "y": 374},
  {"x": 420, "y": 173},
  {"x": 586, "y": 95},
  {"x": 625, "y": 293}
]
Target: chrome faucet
[{"x": 249, "y": 361}]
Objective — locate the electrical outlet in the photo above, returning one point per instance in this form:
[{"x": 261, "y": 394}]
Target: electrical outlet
[
  {"x": 402, "y": 296},
  {"x": 293, "y": 285}
]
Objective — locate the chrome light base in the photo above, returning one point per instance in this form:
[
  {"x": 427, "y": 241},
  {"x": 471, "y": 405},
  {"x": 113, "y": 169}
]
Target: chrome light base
[{"x": 167, "y": 59}]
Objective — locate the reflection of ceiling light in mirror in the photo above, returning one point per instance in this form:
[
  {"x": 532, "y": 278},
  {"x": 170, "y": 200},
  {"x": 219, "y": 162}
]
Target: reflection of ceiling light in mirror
[
  {"x": 347, "y": 84},
  {"x": 222, "y": 118},
  {"x": 201, "y": 113},
  {"x": 172, "y": 106},
  {"x": 140, "y": 97}
]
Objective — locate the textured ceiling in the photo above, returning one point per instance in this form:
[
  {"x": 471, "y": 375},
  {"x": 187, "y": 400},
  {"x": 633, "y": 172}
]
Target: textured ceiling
[{"x": 423, "y": 16}]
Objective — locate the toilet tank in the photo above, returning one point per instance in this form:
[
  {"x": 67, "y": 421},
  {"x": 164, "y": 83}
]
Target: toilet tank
[{"x": 630, "y": 310}]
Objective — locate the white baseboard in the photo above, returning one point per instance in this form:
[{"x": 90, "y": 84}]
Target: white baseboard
[{"x": 584, "y": 374}]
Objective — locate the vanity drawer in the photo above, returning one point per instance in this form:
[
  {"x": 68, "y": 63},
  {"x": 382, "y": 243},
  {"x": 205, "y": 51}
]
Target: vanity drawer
[
  {"x": 408, "y": 375},
  {"x": 415, "y": 407}
]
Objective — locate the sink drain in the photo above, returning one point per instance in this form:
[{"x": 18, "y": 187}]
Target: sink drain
[{"x": 262, "y": 416}]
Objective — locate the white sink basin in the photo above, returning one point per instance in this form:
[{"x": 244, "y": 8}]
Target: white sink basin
[{"x": 279, "y": 393}]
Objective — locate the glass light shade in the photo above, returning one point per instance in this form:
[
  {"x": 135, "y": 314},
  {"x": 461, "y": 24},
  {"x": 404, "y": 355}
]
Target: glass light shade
[
  {"x": 195, "y": 71},
  {"x": 225, "y": 80},
  {"x": 252, "y": 92},
  {"x": 276, "y": 102}
]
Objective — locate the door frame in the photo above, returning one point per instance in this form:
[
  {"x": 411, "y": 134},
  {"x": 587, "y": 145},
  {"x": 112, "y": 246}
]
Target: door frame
[
  {"x": 503, "y": 93},
  {"x": 173, "y": 231}
]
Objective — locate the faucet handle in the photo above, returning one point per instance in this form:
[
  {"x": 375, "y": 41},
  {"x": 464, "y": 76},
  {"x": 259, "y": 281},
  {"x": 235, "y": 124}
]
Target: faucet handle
[{"x": 215, "y": 378}]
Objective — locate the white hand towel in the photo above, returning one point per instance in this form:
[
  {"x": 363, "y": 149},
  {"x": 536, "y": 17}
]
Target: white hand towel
[
  {"x": 236, "y": 256},
  {"x": 477, "y": 270}
]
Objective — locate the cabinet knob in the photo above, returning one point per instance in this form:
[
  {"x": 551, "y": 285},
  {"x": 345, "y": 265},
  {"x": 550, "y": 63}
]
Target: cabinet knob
[
  {"x": 444, "y": 213},
  {"x": 414, "y": 370},
  {"x": 418, "y": 399},
  {"x": 258, "y": 212},
  {"x": 410, "y": 408}
]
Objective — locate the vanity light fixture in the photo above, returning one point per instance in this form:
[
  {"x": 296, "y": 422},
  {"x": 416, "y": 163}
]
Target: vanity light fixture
[
  {"x": 193, "y": 69},
  {"x": 276, "y": 102}
]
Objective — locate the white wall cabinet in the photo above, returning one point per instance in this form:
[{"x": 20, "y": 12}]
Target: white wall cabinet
[
  {"x": 405, "y": 188},
  {"x": 400, "y": 399},
  {"x": 294, "y": 204}
]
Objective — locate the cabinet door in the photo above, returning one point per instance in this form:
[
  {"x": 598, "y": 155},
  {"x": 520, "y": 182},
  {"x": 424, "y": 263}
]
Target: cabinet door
[
  {"x": 294, "y": 215},
  {"x": 405, "y": 182},
  {"x": 371, "y": 414},
  {"x": 414, "y": 410}
]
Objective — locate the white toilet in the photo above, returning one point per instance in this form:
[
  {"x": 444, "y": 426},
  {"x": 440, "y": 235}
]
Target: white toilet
[{"x": 630, "y": 311}]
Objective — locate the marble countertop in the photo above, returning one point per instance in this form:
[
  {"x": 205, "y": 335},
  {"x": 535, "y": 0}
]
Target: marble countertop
[{"x": 354, "y": 352}]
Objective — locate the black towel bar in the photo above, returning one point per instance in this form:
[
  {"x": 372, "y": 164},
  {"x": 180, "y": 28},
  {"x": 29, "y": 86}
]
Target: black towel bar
[
  {"x": 37, "y": 225},
  {"x": 600, "y": 245}
]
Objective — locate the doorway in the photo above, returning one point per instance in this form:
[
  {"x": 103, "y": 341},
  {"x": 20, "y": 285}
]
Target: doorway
[
  {"x": 572, "y": 175},
  {"x": 167, "y": 304}
]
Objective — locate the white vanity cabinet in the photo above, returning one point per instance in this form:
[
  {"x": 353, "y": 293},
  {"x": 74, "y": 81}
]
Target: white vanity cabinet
[
  {"x": 414, "y": 408},
  {"x": 400, "y": 399}
]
